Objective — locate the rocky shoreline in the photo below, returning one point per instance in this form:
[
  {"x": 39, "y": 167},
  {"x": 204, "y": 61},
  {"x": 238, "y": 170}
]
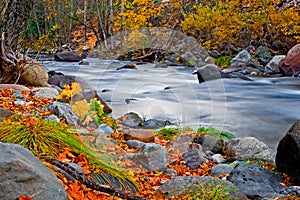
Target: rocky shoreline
[{"x": 174, "y": 161}]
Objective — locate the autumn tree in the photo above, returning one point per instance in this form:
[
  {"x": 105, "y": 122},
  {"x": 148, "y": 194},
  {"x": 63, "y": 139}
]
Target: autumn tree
[{"x": 222, "y": 24}]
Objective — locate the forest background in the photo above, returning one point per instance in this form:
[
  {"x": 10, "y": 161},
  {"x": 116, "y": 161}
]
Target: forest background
[{"x": 222, "y": 25}]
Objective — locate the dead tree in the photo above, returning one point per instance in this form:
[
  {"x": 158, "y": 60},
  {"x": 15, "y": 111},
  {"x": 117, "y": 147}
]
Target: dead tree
[{"x": 17, "y": 13}]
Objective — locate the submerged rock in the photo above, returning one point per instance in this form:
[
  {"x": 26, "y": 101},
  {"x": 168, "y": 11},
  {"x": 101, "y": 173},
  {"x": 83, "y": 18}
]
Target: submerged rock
[{"x": 22, "y": 174}]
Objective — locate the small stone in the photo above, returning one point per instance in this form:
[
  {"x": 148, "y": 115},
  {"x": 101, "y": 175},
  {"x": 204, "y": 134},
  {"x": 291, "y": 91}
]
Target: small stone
[
  {"x": 135, "y": 144},
  {"x": 193, "y": 158},
  {"x": 182, "y": 143},
  {"x": 53, "y": 118},
  {"x": 104, "y": 128},
  {"x": 131, "y": 120},
  {"x": 5, "y": 113},
  {"x": 152, "y": 157},
  {"x": 221, "y": 169},
  {"x": 171, "y": 172},
  {"x": 45, "y": 92},
  {"x": 218, "y": 158},
  {"x": 139, "y": 134}
]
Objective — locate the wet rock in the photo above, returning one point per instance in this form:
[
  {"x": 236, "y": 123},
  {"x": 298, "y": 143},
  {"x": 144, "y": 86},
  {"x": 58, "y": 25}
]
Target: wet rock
[
  {"x": 272, "y": 66},
  {"x": 65, "y": 110},
  {"x": 290, "y": 65},
  {"x": 255, "y": 181},
  {"x": 209, "y": 72},
  {"x": 45, "y": 92},
  {"x": 288, "y": 152},
  {"x": 182, "y": 143},
  {"x": 155, "y": 124},
  {"x": 193, "y": 158},
  {"x": 210, "y": 143},
  {"x": 139, "y": 134},
  {"x": 248, "y": 148},
  {"x": 221, "y": 169},
  {"x": 5, "y": 113},
  {"x": 22, "y": 174},
  {"x": 263, "y": 54},
  {"x": 131, "y": 120},
  {"x": 135, "y": 144},
  {"x": 152, "y": 157},
  {"x": 104, "y": 128},
  {"x": 127, "y": 66},
  {"x": 62, "y": 80},
  {"x": 179, "y": 184},
  {"x": 68, "y": 56}
]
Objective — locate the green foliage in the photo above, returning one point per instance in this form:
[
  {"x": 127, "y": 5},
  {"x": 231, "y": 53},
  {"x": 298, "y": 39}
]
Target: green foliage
[
  {"x": 206, "y": 192},
  {"x": 223, "y": 61},
  {"x": 96, "y": 109},
  {"x": 214, "y": 132},
  {"x": 171, "y": 133}
]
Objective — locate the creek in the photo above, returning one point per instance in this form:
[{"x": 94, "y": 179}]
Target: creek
[{"x": 264, "y": 108}]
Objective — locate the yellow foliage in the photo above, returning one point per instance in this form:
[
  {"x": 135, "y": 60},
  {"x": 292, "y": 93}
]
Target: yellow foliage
[
  {"x": 137, "y": 14},
  {"x": 69, "y": 91},
  {"x": 240, "y": 22},
  {"x": 80, "y": 108}
]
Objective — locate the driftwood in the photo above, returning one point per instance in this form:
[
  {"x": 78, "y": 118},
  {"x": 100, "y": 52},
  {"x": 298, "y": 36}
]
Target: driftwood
[
  {"x": 71, "y": 173},
  {"x": 9, "y": 67}
]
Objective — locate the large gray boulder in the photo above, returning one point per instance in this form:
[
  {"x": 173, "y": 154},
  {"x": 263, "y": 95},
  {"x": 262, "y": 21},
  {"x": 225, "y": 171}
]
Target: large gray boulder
[
  {"x": 255, "y": 181},
  {"x": 22, "y": 174},
  {"x": 288, "y": 152},
  {"x": 248, "y": 148}
]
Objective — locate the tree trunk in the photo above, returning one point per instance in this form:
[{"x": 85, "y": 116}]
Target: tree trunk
[{"x": 14, "y": 21}]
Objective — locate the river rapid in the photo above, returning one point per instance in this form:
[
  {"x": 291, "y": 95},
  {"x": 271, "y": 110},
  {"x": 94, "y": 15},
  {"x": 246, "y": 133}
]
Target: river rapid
[{"x": 264, "y": 108}]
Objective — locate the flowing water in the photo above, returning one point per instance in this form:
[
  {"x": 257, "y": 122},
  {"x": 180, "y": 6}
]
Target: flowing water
[{"x": 264, "y": 108}]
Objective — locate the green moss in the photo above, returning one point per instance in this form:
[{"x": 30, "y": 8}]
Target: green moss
[
  {"x": 171, "y": 133},
  {"x": 223, "y": 61},
  {"x": 207, "y": 192},
  {"x": 214, "y": 132}
]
